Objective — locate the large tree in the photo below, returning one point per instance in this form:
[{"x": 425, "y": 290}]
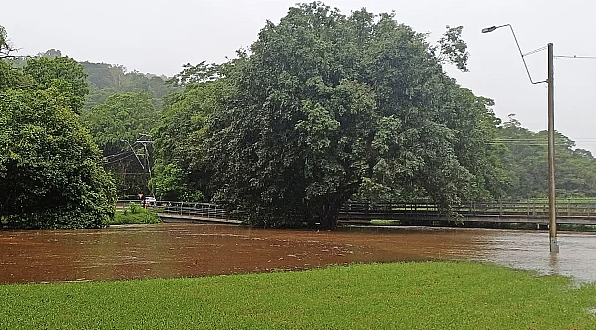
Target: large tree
[
  {"x": 324, "y": 106},
  {"x": 181, "y": 171},
  {"x": 51, "y": 173}
]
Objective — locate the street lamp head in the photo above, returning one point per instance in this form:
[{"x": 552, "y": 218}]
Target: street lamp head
[{"x": 489, "y": 29}]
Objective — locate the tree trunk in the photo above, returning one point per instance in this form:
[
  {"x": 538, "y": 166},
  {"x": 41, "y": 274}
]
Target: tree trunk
[{"x": 331, "y": 213}]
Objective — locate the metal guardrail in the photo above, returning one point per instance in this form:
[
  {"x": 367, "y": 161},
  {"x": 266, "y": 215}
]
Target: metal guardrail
[
  {"x": 369, "y": 210},
  {"x": 203, "y": 210},
  {"x": 530, "y": 209}
]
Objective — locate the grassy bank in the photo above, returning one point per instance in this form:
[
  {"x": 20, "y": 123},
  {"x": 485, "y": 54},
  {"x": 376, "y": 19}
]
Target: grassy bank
[
  {"x": 431, "y": 295},
  {"x": 134, "y": 214}
]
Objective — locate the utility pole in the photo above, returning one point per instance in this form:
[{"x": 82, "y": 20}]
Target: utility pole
[
  {"x": 134, "y": 152},
  {"x": 552, "y": 208},
  {"x": 147, "y": 161}
]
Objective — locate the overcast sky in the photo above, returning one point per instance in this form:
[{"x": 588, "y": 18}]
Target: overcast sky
[{"x": 158, "y": 36}]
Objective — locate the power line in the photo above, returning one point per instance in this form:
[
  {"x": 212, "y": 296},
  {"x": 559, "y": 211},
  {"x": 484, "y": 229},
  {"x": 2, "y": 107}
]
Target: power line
[
  {"x": 573, "y": 141},
  {"x": 119, "y": 159},
  {"x": 134, "y": 152},
  {"x": 576, "y": 57},
  {"x": 118, "y": 154},
  {"x": 535, "y": 51}
]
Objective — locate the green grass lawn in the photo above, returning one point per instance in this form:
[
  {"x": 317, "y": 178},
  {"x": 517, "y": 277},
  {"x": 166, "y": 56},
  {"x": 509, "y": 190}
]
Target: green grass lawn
[
  {"x": 134, "y": 214},
  {"x": 381, "y": 222},
  {"x": 429, "y": 295}
]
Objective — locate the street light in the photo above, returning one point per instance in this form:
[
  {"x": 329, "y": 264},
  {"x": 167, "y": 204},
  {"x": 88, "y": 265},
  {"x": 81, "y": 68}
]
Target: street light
[{"x": 552, "y": 213}]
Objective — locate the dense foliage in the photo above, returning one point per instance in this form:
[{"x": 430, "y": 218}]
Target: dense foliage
[
  {"x": 116, "y": 124},
  {"x": 51, "y": 173},
  {"x": 134, "y": 214},
  {"x": 181, "y": 172},
  {"x": 121, "y": 106},
  {"x": 325, "y": 106},
  {"x": 116, "y": 105},
  {"x": 525, "y": 155}
]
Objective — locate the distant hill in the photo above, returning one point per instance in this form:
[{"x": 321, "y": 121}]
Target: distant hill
[{"x": 107, "y": 79}]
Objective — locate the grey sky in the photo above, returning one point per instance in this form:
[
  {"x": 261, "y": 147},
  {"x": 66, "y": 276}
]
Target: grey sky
[{"x": 159, "y": 36}]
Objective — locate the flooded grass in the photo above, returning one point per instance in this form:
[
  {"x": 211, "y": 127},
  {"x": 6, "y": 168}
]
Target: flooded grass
[{"x": 415, "y": 295}]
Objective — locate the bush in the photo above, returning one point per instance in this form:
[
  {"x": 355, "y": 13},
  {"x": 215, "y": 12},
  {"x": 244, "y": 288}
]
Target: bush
[
  {"x": 51, "y": 171},
  {"x": 134, "y": 214}
]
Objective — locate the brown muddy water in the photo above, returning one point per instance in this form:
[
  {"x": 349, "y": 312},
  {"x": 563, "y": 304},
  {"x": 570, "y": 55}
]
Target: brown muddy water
[{"x": 189, "y": 250}]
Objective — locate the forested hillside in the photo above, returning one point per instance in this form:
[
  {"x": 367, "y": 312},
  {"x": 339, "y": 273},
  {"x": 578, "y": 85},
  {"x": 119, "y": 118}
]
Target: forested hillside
[
  {"x": 107, "y": 79},
  {"x": 524, "y": 157}
]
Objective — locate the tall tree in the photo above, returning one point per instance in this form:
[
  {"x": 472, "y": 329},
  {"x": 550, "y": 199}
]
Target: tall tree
[
  {"x": 6, "y": 46},
  {"x": 62, "y": 73},
  {"x": 182, "y": 171},
  {"x": 324, "y": 104},
  {"x": 51, "y": 173}
]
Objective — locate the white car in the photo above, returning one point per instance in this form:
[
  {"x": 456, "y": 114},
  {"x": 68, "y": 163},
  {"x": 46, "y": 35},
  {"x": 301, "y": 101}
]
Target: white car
[{"x": 150, "y": 201}]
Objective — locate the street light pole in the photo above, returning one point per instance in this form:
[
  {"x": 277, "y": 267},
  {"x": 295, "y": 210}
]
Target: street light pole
[
  {"x": 552, "y": 208},
  {"x": 552, "y": 211}
]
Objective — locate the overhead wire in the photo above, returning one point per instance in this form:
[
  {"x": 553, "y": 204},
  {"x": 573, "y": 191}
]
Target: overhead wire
[
  {"x": 122, "y": 152},
  {"x": 119, "y": 159},
  {"x": 535, "y": 51},
  {"x": 116, "y": 155},
  {"x": 576, "y": 57}
]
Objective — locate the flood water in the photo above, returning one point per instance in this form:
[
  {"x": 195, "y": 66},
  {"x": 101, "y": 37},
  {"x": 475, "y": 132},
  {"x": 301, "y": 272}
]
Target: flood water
[{"x": 189, "y": 250}]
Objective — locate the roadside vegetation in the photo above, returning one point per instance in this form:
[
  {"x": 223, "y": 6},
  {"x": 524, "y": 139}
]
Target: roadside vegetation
[
  {"x": 134, "y": 214},
  {"x": 427, "y": 295}
]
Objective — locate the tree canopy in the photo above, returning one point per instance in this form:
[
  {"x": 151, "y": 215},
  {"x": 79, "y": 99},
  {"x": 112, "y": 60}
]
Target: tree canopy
[
  {"x": 115, "y": 125},
  {"x": 525, "y": 155},
  {"x": 323, "y": 107},
  {"x": 51, "y": 173}
]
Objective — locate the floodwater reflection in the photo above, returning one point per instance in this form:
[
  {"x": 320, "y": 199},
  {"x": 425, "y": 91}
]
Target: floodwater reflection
[
  {"x": 185, "y": 250},
  {"x": 530, "y": 250}
]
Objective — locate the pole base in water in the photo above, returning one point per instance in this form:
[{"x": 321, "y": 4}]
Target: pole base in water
[{"x": 554, "y": 245}]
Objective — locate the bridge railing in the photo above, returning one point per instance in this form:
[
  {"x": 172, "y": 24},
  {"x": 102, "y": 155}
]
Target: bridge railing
[
  {"x": 371, "y": 210},
  {"x": 531, "y": 209},
  {"x": 205, "y": 210}
]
